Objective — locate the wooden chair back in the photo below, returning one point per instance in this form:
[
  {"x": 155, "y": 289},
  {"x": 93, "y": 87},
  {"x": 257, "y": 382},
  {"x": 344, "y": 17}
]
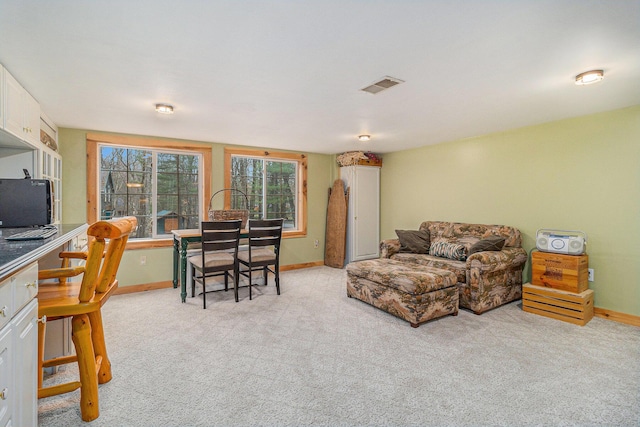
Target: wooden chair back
[
  {"x": 99, "y": 273},
  {"x": 265, "y": 232},
  {"x": 220, "y": 235}
]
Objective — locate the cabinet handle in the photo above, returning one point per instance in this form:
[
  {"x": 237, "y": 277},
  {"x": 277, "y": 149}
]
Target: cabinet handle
[
  {"x": 43, "y": 319},
  {"x": 3, "y": 311},
  {"x": 4, "y": 394},
  {"x": 31, "y": 285}
]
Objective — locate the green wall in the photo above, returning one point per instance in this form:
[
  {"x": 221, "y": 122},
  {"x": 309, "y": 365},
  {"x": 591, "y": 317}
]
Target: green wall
[
  {"x": 575, "y": 174},
  {"x": 158, "y": 265}
]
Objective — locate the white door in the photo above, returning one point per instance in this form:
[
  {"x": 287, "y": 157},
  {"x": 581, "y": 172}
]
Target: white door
[
  {"x": 363, "y": 226},
  {"x": 366, "y": 211}
]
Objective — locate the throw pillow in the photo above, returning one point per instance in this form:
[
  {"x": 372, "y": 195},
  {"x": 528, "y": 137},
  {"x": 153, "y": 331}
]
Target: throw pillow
[
  {"x": 416, "y": 241},
  {"x": 449, "y": 250},
  {"x": 491, "y": 243}
]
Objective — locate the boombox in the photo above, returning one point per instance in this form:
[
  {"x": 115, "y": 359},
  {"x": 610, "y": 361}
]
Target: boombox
[{"x": 561, "y": 241}]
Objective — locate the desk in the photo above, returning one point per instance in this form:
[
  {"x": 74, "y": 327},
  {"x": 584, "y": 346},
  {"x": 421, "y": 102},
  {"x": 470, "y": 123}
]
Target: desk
[
  {"x": 14, "y": 255},
  {"x": 181, "y": 240}
]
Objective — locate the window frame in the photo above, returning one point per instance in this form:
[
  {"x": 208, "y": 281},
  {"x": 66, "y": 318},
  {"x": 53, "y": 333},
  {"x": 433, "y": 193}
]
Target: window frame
[
  {"x": 93, "y": 175},
  {"x": 301, "y": 176}
]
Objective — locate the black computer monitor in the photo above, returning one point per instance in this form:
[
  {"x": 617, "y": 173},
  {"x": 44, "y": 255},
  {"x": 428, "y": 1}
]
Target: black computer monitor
[{"x": 25, "y": 202}]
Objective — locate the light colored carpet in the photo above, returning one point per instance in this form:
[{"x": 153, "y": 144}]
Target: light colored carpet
[{"x": 313, "y": 356}]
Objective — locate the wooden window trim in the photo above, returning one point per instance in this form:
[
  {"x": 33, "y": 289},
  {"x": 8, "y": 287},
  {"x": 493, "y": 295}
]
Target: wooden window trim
[
  {"x": 302, "y": 180},
  {"x": 94, "y": 139}
]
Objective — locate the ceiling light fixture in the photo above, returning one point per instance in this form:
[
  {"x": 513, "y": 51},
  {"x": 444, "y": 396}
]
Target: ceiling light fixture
[
  {"x": 364, "y": 138},
  {"x": 589, "y": 77},
  {"x": 164, "y": 108}
]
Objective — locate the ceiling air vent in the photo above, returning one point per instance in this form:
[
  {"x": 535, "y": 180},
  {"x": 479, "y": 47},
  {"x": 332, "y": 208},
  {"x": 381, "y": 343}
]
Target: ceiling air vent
[{"x": 384, "y": 83}]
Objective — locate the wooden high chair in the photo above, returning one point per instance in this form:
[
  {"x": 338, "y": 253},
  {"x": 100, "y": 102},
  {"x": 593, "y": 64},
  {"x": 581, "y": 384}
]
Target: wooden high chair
[{"x": 82, "y": 302}]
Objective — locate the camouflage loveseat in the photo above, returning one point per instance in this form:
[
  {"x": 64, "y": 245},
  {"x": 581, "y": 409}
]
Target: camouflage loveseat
[{"x": 485, "y": 279}]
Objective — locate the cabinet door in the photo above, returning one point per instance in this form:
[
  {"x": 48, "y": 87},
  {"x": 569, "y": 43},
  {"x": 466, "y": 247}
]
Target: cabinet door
[
  {"x": 366, "y": 211},
  {"x": 1, "y": 101},
  {"x": 363, "y": 227},
  {"x": 13, "y": 116},
  {"x": 25, "y": 344},
  {"x": 50, "y": 167},
  {"x": 31, "y": 120},
  {"x": 22, "y": 111},
  {"x": 7, "y": 391}
]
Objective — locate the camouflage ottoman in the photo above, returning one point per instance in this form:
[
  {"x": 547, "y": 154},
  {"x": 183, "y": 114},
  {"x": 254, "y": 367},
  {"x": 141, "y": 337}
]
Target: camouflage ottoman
[{"x": 412, "y": 292}]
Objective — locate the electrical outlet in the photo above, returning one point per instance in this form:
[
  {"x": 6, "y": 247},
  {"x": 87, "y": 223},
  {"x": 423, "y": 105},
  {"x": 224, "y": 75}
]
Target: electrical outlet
[
  {"x": 143, "y": 260},
  {"x": 590, "y": 275},
  {"x": 316, "y": 243}
]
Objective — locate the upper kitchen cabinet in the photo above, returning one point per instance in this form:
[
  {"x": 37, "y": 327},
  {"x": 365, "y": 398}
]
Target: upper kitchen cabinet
[
  {"x": 28, "y": 139},
  {"x": 21, "y": 111},
  {"x": 1, "y": 96}
]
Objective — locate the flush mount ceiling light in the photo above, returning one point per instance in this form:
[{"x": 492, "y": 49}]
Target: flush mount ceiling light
[
  {"x": 589, "y": 77},
  {"x": 364, "y": 138},
  {"x": 164, "y": 108}
]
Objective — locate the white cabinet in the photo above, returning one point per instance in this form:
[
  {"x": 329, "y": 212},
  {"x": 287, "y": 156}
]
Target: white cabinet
[
  {"x": 31, "y": 119},
  {"x": 21, "y": 111},
  {"x": 25, "y": 343},
  {"x": 363, "y": 223},
  {"x": 20, "y": 145},
  {"x": 19, "y": 348},
  {"x": 1, "y": 118},
  {"x": 6, "y": 376},
  {"x": 50, "y": 167},
  {"x": 13, "y": 114}
]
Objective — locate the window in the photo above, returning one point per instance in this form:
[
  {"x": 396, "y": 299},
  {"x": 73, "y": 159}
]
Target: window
[
  {"x": 274, "y": 185},
  {"x": 164, "y": 185}
]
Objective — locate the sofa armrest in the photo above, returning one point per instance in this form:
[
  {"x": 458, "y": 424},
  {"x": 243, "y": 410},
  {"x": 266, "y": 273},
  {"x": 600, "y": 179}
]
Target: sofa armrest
[
  {"x": 507, "y": 258},
  {"x": 389, "y": 247}
]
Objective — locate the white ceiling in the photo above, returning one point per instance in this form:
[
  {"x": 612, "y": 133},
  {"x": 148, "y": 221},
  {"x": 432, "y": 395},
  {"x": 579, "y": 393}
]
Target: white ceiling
[{"x": 288, "y": 74}]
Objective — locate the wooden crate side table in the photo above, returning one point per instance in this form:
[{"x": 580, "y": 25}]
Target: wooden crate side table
[
  {"x": 576, "y": 308},
  {"x": 558, "y": 271}
]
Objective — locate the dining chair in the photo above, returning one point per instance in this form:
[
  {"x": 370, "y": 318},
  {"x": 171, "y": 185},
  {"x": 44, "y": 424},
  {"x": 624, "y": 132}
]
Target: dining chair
[
  {"x": 264, "y": 250},
  {"x": 219, "y": 256},
  {"x": 82, "y": 301}
]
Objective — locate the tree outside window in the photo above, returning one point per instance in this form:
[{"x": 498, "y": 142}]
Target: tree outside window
[
  {"x": 274, "y": 183},
  {"x": 163, "y": 198}
]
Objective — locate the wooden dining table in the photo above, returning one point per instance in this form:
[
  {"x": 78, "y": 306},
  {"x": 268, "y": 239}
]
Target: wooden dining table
[{"x": 181, "y": 240}]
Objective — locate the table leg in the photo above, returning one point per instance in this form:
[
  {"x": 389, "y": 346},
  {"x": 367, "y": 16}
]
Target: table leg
[
  {"x": 175, "y": 262},
  {"x": 183, "y": 264}
]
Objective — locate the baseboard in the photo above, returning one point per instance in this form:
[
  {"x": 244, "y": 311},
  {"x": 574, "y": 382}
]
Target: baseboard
[
  {"x": 299, "y": 266},
  {"x": 168, "y": 283},
  {"x": 628, "y": 319},
  {"x": 144, "y": 287}
]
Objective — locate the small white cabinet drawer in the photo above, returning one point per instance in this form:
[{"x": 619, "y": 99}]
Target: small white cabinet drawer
[
  {"x": 6, "y": 303},
  {"x": 25, "y": 286}
]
